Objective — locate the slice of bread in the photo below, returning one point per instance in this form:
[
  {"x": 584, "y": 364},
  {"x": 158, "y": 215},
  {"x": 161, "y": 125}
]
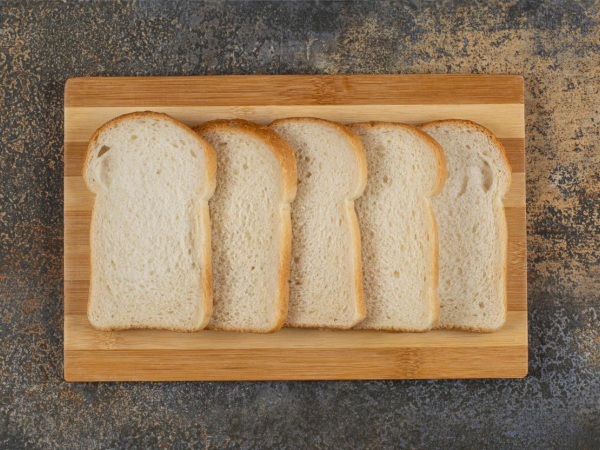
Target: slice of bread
[
  {"x": 326, "y": 277},
  {"x": 250, "y": 211},
  {"x": 406, "y": 168},
  {"x": 150, "y": 231},
  {"x": 472, "y": 227}
]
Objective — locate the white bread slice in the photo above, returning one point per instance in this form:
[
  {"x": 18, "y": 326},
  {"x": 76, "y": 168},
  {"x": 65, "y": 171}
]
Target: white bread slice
[
  {"x": 472, "y": 227},
  {"x": 326, "y": 277},
  {"x": 406, "y": 168},
  {"x": 256, "y": 181},
  {"x": 150, "y": 231}
]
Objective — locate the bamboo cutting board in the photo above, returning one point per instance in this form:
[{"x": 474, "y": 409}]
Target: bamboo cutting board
[{"x": 292, "y": 354}]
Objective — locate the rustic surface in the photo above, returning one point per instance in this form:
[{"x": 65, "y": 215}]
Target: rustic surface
[{"x": 555, "y": 45}]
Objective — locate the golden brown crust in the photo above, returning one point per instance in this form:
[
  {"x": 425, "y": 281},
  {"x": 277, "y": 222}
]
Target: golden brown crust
[
  {"x": 361, "y": 309},
  {"x": 287, "y": 162},
  {"x": 361, "y": 158},
  {"x": 321, "y": 327},
  {"x": 435, "y": 270},
  {"x": 206, "y": 252},
  {"x": 284, "y": 267},
  {"x": 429, "y": 327},
  {"x": 461, "y": 123},
  {"x": 502, "y": 217},
  {"x": 211, "y": 169},
  {"x": 473, "y": 329},
  {"x": 395, "y": 329}
]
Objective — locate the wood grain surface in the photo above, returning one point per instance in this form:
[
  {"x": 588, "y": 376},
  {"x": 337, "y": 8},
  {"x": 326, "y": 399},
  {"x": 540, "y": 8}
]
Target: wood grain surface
[{"x": 145, "y": 355}]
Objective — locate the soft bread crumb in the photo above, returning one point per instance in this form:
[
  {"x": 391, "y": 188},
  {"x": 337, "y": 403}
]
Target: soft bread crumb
[
  {"x": 472, "y": 227},
  {"x": 326, "y": 276},
  {"x": 250, "y": 215},
  {"x": 399, "y": 243},
  {"x": 150, "y": 233}
]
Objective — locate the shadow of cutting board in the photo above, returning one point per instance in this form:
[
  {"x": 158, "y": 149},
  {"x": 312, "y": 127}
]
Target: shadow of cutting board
[{"x": 292, "y": 354}]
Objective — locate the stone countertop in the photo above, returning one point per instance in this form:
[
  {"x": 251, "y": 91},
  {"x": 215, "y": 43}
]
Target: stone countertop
[{"x": 555, "y": 45}]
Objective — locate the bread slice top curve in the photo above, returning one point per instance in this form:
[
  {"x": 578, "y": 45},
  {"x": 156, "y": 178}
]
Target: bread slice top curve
[
  {"x": 150, "y": 232},
  {"x": 406, "y": 168},
  {"x": 250, "y": 211},
  {"x": 472, "y": 227},
  {"x": 326, "y": 288}
]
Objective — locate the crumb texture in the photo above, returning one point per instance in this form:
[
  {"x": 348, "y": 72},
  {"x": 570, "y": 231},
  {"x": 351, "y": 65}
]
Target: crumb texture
[
  {"x": 324, "y": 289},
  {"x": 247, "y": 213},
  {"x": 472, "y": 228},
  {"x": 147, "y": 238},
  {"x": 398, "y": 230}
]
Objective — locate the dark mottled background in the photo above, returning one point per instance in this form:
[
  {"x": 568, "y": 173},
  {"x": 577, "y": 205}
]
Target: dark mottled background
[{"x": 555, "y": 45}]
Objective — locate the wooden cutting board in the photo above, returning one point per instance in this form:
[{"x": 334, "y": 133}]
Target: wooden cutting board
[{"x": 292, "y": 354}]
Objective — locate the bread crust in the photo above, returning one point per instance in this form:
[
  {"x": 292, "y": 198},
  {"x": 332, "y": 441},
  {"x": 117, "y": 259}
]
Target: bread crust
[
  {"x": 437, "y": 148},
  {"x": 357, "y": 145},
  {"x": 466, "y": 124},
  {"x": 287, "y": 163},
  {"x": 462, "y": 123},
  {"x": 211, "y": 169},
  {"x": 442, "y": 173}
]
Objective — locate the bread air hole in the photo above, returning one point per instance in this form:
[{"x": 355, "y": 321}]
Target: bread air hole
[
  {"x": 104, "y": 171},
  {"x": 487, "y": 176},
  {"x": 463, "y": 187},
  {"x": 103, "y": 150}
]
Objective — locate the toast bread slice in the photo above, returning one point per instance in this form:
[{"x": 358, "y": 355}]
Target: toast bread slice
[
  {"x": 326, "y": 286},
  {"x": 472, "y": 227},
  {"x": 399, "y": 234},
  {"x": 152, "y": 177},
  {"x": 250, "y": 211}
]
